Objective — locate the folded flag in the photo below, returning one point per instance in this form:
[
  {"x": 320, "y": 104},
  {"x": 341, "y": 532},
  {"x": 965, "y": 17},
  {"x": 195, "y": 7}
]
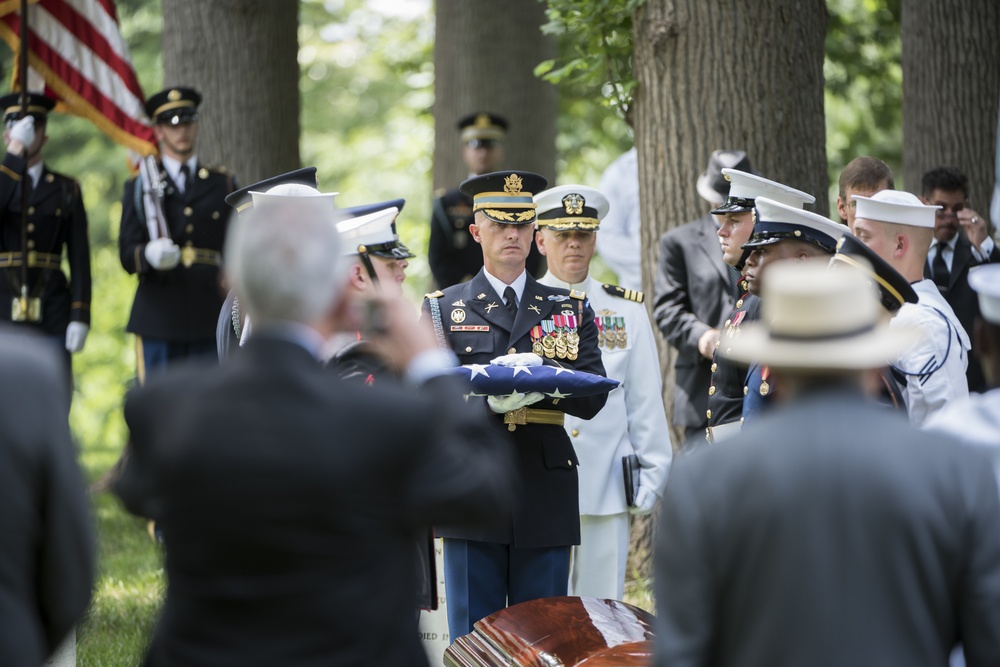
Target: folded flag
[{"x": 554, "y": 382}]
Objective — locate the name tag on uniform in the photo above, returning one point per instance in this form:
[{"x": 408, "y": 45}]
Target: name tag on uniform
[{"x": 470, "y": 327}]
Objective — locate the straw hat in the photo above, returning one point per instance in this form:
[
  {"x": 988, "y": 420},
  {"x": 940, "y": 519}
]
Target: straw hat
[{"x": 815, "y": 319}]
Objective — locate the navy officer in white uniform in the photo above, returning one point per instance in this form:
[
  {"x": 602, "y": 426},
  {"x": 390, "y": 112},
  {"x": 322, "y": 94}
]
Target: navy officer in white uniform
[{"x": 633, "y": 422}]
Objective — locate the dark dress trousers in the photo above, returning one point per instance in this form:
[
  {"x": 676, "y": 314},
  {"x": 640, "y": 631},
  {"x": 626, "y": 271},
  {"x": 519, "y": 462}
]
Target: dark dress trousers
[
  {"x": 182, "y": 304},
  {"x": 963, "y": 299},
  {"x": 453, "y": 255},
  {"x": 692, "y": 294},
  {"x": 56, "y": 220},
  {"x": 290, "y": 501},
  {"x": 47, "y": 556},
  {"x": 829, "y": 533},
  {"x": 546, "y": 507}
]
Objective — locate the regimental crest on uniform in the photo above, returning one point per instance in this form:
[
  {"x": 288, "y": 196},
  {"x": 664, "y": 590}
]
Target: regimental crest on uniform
[
  {"x": 573, "y": 203},
  {"x": 458, "y": 316},
  {"x": 459, "y": 303}
]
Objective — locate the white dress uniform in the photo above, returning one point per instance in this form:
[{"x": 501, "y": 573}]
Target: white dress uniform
[
  {"x": 935, "y": 366},
  {"x": 633, "y": 421}
]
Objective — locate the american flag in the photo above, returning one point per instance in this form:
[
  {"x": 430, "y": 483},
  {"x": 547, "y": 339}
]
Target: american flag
[{"x": 77, "y": 56}]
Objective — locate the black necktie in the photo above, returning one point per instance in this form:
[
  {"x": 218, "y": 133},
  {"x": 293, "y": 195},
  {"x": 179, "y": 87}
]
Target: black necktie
[
  {"x": 511, "y": 299},
  {"x": 182, "y": 178},
  {"x": 939, "y": 269}
]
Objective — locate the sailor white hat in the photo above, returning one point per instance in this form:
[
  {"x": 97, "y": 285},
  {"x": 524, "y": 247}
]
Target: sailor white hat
[{"x": 897, "y": 207}]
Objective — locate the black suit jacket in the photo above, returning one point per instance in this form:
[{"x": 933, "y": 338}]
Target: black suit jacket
[
  {"x": 453, "y": 255},
  {"x": 56, "y": 220},
  {"x": 829, "y": 533},
  {"x": 692, "y": 294},
  {"x": 47, "y": 557},
  {"x": 546, "y": 501},
  {"x": 963, "y": 300},
  {"x": 290, "y": 501},
  {"x": 181, "y": 304}
]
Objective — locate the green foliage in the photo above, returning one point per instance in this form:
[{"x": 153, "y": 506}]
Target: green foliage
[
  {"x": 864, "y": 85},
  {"x": 595, "y": 48}
]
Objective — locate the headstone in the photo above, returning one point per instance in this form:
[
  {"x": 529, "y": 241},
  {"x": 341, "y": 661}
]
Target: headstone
[{"x": 434, "y": 624}]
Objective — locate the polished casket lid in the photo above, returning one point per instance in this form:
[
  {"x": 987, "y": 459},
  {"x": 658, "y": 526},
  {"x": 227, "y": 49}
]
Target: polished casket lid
[{"x": 563, "y": 631}]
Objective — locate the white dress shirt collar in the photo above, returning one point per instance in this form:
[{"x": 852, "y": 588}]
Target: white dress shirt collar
[{"x": 499, "y": 286}]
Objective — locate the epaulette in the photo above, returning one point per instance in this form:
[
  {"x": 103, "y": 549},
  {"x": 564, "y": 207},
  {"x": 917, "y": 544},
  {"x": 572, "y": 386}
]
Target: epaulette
[
  {"x": 576, "y": 294},
  {"x": 434, "y": 295},
  {"x": 630, "y": 294}
]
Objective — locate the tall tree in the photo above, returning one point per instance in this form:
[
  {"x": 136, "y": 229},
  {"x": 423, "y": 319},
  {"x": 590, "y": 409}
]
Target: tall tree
[
  {"x": 485, "y": 53},
  {"x": 714, "y": 74},
  {"x": 951, "y": 91},
  {"x": 242, "y": 56}
]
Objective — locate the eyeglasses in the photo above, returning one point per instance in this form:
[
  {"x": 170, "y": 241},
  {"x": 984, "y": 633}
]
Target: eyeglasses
[{"x": 945, "y": 211}]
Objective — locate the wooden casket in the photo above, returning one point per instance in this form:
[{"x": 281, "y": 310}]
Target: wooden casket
[{"x": 563, "y": 631}]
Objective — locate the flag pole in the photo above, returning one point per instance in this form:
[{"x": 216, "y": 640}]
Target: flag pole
[{"x": 23, "y": 74}]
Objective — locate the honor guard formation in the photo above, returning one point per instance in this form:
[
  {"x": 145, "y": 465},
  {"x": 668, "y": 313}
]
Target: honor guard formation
[{"x": 300, "y": 433}]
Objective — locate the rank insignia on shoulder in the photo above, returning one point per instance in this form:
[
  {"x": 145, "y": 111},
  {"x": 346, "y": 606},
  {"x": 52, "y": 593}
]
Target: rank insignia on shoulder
[
  {"x": 434, "y": 295},
  {"x": 481, "y": 296},
  {"x": 576, "y": 294},
  {"x": 630, "y": 294}
]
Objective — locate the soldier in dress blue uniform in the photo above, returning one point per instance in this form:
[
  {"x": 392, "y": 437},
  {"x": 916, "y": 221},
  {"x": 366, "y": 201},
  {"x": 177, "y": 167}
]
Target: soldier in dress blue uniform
[
  {"x": 781, "y": 234},
  {"x": 177, "y": 302},
  {"x": 725, "y": 393},
  {"x": 524, "y": 554},
  {"x": 452, "y": 254},
  {"x": 55, "y": 306}
]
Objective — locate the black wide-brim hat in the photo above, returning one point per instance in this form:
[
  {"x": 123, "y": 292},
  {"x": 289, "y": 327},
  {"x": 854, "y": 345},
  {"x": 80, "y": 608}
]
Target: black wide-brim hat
[
  {"x": 39, "y": 106},
  {"x": 505, "y": 196},
  {"x": 173, "y": 106},
  {"x": 894, "y": 290}
]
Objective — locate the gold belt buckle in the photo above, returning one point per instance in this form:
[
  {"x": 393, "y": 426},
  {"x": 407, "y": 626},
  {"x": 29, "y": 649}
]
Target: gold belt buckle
[
  {"x": 188, "y": 255},
  {"x": 515, "y": 418},
  {"x": 26, "y": 309}
]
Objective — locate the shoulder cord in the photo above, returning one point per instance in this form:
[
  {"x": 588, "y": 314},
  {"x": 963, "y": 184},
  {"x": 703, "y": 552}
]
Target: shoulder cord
[
  {"x": 947, "y": 351},
  {"x": 436, "y": 321}
]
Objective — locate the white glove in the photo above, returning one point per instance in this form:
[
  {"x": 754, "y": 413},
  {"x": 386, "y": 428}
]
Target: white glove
[
  {"x": 518, "y": 359},
  {"x": 23, "y": 131},
  {"x": 502, "y": 404},
  {"x": 644, "y": 500},
  {"x": 76, "y": 336},
  {"x": 162, "y": 254}
]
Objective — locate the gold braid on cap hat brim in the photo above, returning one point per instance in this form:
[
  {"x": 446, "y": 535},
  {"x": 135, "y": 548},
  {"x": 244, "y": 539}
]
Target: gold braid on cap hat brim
[
  {"x": 523, "y": 216},
  {"x": 566, "y": 224}
]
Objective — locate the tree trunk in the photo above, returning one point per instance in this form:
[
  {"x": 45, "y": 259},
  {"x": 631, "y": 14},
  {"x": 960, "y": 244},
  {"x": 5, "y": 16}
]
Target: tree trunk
[
  {"x": 485, "y": 53},
  {"x": 715, "y": 74},
  {"x": 242, "y": 55},
  {"x": 951, "y": 80}
]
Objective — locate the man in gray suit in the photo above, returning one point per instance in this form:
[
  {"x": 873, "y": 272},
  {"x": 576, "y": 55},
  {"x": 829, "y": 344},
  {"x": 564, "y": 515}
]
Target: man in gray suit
[
  {"x": 830, "y": 532},
  {"x": 693, "y": 294}
]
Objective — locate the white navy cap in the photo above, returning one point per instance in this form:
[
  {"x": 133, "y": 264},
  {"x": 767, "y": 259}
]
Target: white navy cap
[
  {"x": 985, "y": 280},
  {"x": 778, "y": 222},
  {"x": 744, "y": 189},
  {"x": 296, "y": 199},
  {"x": 895, "y": 206},
  {"x": 367, "y": 232},
  {"x": 568, "y": 207}
]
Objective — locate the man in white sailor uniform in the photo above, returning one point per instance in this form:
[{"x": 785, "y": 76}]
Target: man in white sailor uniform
[
  {"x": 630, "y": 434},
  {"x": 899, "y": 228}
]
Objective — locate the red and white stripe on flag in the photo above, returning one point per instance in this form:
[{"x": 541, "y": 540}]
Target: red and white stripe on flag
[{"x": 76, "y": 53}]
